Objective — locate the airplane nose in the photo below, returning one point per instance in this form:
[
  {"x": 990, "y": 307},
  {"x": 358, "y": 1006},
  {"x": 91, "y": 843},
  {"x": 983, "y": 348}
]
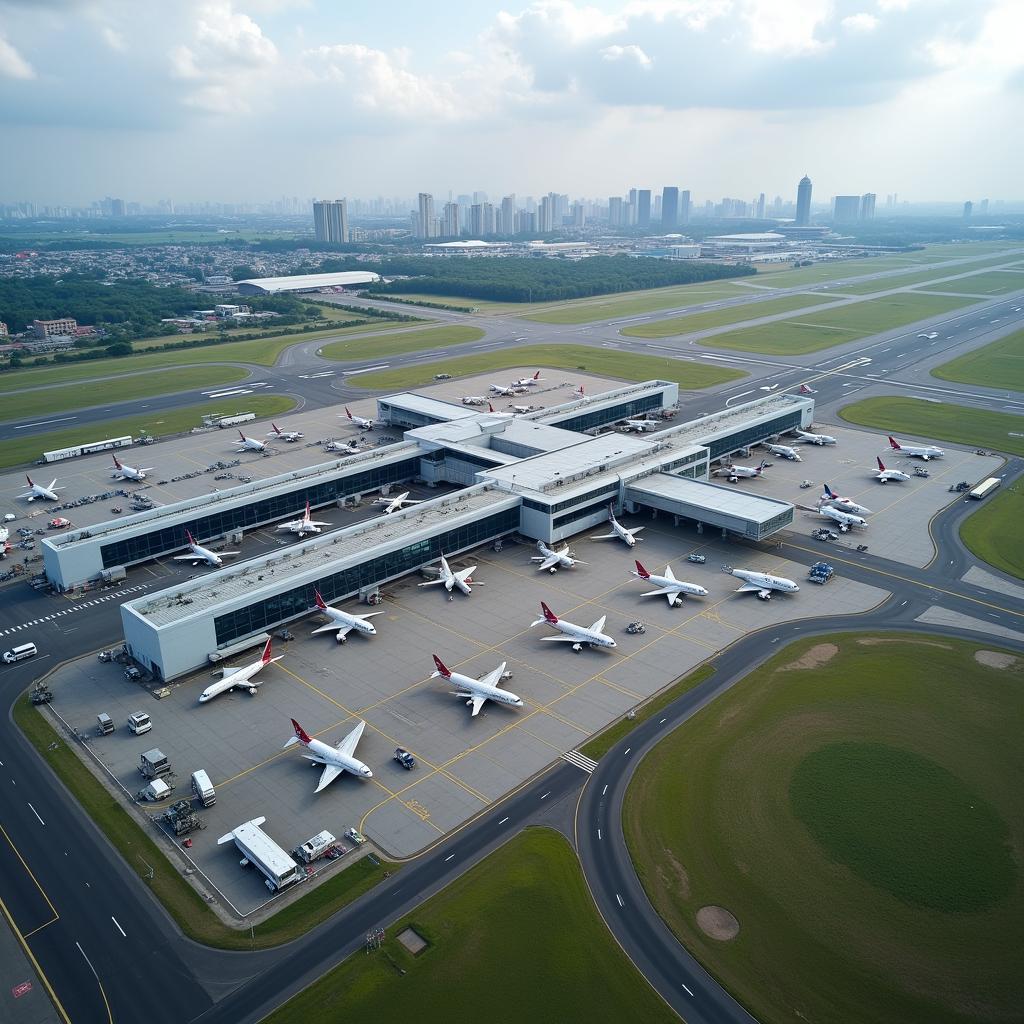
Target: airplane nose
[
  {"x": 612, "y": 644},
  {"x": 367, "y": 773}
]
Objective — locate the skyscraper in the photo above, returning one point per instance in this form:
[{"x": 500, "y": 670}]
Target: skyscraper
[
  {"x": 546, "y": 214},
  {"x": 968, "y": 209},
  {"x": 330, "y": 220},
  {"x": 844, "y": 209},
  {"x": 684, "y": 207},
  {"x": 508, "y": 216},
  {"x": 451, "y": 220},
  {"x": 669, "y": 208},
  {"x": 867, "y": 206},
  {"x": 425, "y": 225},
  {"x": 803, "y": 202},
  {"x": 760, "y": 207},
  {"x": 643, "y": 208},
  {"x": 615, "y": 211}
]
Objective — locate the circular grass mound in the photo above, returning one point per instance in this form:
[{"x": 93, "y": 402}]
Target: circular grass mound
[{"x": 904, "y": 824}]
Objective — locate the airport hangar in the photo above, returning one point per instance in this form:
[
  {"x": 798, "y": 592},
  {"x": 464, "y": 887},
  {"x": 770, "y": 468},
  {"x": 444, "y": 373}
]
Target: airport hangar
[
  {"x": 306, "y": 282},
  {"x": 528, "y": 475}
]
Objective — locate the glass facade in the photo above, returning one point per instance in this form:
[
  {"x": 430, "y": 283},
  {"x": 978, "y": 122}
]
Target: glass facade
[
  {"x": 775, "y": 523},
  {"x": 599, "y": 417},
  {"x": 271, "y": 611},
  {"x": 220, "y": 521},
  {"x": 751, "y": 435},
  {"x": 577, "y": 513}
]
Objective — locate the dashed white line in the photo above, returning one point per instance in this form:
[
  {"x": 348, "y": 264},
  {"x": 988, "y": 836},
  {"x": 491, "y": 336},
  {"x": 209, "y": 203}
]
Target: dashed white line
[
  {"x": 503, "y": 820},
  {"x": 689, "y": 991},
  {"x": 119, "y": 928},
  {"x": 449, "y": 857},
  {"x": 620, "y": 899},
  {"x": 36, "y": 813},
  {"x": 603, "y": 791},
  {"x": 598, "y": 833},
  {"x": 546, "y": 795},
  {"x": 626, "y": 751}
]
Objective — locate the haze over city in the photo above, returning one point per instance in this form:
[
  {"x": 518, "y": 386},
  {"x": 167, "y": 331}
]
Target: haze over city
[{"x": 241, "y": 101}]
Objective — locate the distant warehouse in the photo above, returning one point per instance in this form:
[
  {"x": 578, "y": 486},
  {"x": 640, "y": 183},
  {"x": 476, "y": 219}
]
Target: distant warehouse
[{"x": 305, "y": 282}]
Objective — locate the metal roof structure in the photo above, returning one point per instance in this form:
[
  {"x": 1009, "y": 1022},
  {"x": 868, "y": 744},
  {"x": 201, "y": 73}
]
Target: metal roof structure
[
  {"x": 712, "y": 498},
  {"x": 307, "y": 282}
]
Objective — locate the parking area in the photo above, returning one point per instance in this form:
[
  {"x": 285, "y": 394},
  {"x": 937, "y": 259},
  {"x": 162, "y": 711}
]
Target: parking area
[
  {"x": 464, "y": 763},
  {"x": 900, "y": 511}
]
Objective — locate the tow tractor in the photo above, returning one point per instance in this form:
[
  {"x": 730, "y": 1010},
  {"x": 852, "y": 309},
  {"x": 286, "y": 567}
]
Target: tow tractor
[
  {"x": 636, "y": 627},
  {"x": 820, "y": 572},
  {"x": 405, "y": 759}
]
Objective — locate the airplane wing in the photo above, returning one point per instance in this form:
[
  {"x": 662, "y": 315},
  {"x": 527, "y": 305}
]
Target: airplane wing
[
  {"x": 478, "y": 703},
  {"x": 188, "y": 558},
  {"x": 598, "y": 627},
  {"x": 313, "y": 522},
  {"x": 463, "y": 574},
  {"x": 669, "y": 574},
  {"x": 602, "y": 536},
  {"x": 327, "y": 776},
  {"x": 658, "y": 593},
  {"x": 546, "y": 563},
  {"x": 348, "y": 745},
  {"x": 431, "y": 583},
  {"x": 637, "y": 529},
  {"x": 562, "y": 638},
  {"x": 750, "y": 588},
  {"x": 331, "y": 627},
  {"x": 493, "y": 678},
  {"x": 291, "y": 526}
]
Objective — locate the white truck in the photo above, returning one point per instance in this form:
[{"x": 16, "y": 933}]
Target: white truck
[
  {"x": 202, "y": 788},
  {"x": 313, "y": 849},
  {"x": 259, "y": 850}
]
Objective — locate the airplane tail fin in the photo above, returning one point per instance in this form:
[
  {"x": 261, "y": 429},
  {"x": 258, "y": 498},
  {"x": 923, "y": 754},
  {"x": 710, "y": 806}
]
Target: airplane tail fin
[
  {"x": 319, "y": 600},
  {"x": 642, "y": 572},
  {"x": 805, "y": 390},
  {"x": 241, "y": 435},
  {"x": 829, "y": 493},
  {"x": 442, "y": 669},
  {"x": 266, "y": 659},
  {"x": 300, "y": 733},
  {"x": 29, "y": 479},
  {"x": 347, "y": 413},
  {"x": 277, "y": 429},
  {"x": 490, "y": 407},
  {"x": 549, "y": 615},
  {"x": 191, "y": 539},
  {"x": 307, "y": 509},
  {"x": 581, "y": 392},
  {"x": 881, "y": 465},
  {"x": 536, "y": 376},
  {"x": 894, "y": 444},
  {"x": 116, "y": 463},
  {"x": 762, "y": 466}
]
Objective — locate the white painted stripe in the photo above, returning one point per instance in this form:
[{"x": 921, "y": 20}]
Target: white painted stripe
[
  {"x": 119, "y": 928},
  {"x": 36, "y": 813},
  {"x": 41, "y": 423}
]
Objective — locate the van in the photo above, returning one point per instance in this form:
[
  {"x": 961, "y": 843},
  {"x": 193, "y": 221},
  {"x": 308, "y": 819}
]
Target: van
[
  {"x": 19, "y": 653},
  {"x": 139, "y": 722}
]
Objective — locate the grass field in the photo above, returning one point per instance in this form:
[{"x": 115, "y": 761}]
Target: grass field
[
  {"x": 939, "y": 421},
  {"x": 482, "y": 305},
  {"x": 993, "y": 532},
  {"x": 166, "y": 421},
  {"x": 999, "y": 365},
  {"x": 854, "y": 803},
  {"x": 184, "y": 904},
  {"x": 408, "y": 341},
  {"x": 45, "y": 401},
  {"x": 517, "y": 938},
  {"x": 815, "y": 331},
  {"x": 722, "y": 317},
  {"x": 602, "y": 307},
  {"x": 624, "y": 365},
  {"x": 992, "y": 282}
]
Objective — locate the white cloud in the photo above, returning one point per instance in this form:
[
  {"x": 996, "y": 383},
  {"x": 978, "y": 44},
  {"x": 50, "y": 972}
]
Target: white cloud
[
  {"x": 113, "y": 38},
  {"x": 626, "y": 53},
  {"x": 12, "y": 64},
  {"x": 229, "y": 36},
  {"x": 862, "y": 22}
]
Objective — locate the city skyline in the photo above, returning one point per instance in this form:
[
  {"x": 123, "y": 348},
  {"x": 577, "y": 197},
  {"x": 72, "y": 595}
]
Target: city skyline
[{"x": 216, "y": 98}]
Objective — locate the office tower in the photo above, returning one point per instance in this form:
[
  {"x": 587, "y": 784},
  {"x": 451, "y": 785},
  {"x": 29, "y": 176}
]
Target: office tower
[
  {"x": 451, "y": 220},
  {"x": 480, "y": 197},
  {"x": 803, "y": 202},
  {"x": 684, "y": 206},
  {"x": 760, "y": 207},
  {"x": 845, "y": 209},
  {"x": 489, "y": 219},
  {"x": 579, "y": 216},
  {"x": 546, "y": 215},
  {"x": 867, "y": 206},
  {"x": 330, "y": 220},
  {"x": 526, "y": 222},
  {"x": 508, "y": 216},
  {"x": 615, "y": 211},
  {"x": 656, "y": 211},
  {"x": 669, "y": 208},
  {"x": 968, "y": 209},
  {"x": 643, "y": 208},
  {"x": 425, "y": 222},
  {"x": 476, "y": 220},
  {"x": 982, "y": 206}
]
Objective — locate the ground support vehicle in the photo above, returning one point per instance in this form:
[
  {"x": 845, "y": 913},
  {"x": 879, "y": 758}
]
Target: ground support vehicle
[
  {"x": 404, "y": 758},
  {"x": 820, "y": 572}
]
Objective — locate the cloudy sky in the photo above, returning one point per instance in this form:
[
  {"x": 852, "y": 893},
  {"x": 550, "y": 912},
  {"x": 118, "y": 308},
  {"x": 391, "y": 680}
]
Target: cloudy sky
[{"x": 252, "y": 99}]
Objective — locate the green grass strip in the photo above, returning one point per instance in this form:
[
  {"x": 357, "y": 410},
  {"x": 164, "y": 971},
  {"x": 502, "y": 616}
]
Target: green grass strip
[
  {"x": 407, "y": 341},
  {"x": 998, "y": 365},
  {"x": 183, "y": 903},
  {"x": 721, "y": 317},
  {"x": 993, "y": 532}
]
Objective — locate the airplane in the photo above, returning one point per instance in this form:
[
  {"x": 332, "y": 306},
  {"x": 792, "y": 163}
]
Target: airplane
[
  {"x": 580, "y": 394},
  {"x": 519, "y": 410},
  {"x": 925, "y": 452},
  {"x": 463, "y": 579},
  {"x": 806, "y": 390},
  {"x": 39, "y": 491},
  {"x": 239, "y": 677},
  {"x": 201, "y": 554},
  {"x": 345, "y": 447},
  {"x": 829, "y": 497},
  {"x": 334, "y": 759},
  {"x": 554, "y": 560},
  {"x": 784, "y": 451},
  {"x": 395, "y": 504},
  {"x": 883, "y": 476},
  {"x": 342, "y": 623},
  {"x": 304, "y": 525},
  {"x": 640, "y": 426},
  {"x": 760, "y": 583},
  {"x": 361, "y": 421},
  {"x": 474, "y": 400},
  {"x": 478, "y": 690},
  {"x": 285, "y": 435},
  {"x": 671, "y": 588},
  {"x": 249, "y": 444},
  {"x": 123, "y": 471},
  {"x": 528, "y": 382},
  {"x": 736, "y": 473},
  {"x": 818, "y": 439},
  {"x": 618, "y": 530},
  {"x": 510, "y": 391},
  {"x": 844, "y": 519},
  {"x": 578, "y": 636}
]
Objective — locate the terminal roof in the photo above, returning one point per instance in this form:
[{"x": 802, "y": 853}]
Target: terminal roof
[{"x": 728, "y": 500}]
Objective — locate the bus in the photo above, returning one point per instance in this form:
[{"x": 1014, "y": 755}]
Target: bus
[{"x": 985, "y": 488}]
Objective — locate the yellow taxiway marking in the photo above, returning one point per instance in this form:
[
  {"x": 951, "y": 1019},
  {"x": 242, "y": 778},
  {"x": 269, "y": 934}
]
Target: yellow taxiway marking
[{"x": 28, "y": 871}]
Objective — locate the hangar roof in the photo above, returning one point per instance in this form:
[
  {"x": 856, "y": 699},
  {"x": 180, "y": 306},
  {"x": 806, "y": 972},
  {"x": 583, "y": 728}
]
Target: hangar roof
[{"x": 309, "y": 282}]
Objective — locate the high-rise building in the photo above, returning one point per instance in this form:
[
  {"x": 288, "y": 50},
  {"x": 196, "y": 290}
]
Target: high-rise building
[
  {"x": 489, "y": 219},
  {"x": 845, "y": 209},
  {"x": 982, "y": 207},
  {"x": 643, "y": 207},
  {"x": 669, "y": 208},
  {"x": 579, "y": 217},
  {"x": 867, "y": 206},
  {"x": 451, "y": 220},
  {"x": 330, "y": 220},
  {"x": 760, "y": 207},
  {"x": 426, "y": 226},
  {"x": 508, "y": 216},
  {"x": 803, "y": 202},
  {"x": 684, "y": 207},
  {"x": 476, "y": 220},
  {"x": 615, "y": 211},
  {"x": 968, "y": 209},
  {"x": 546, "y": 215}
]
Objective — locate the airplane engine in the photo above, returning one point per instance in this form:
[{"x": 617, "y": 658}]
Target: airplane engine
[
  {"x": 764, "y": 595},
  {"x": 253, "y": 690}
]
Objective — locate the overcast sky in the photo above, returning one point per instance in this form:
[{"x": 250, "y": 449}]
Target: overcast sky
[{"x": 253, "y": 99}]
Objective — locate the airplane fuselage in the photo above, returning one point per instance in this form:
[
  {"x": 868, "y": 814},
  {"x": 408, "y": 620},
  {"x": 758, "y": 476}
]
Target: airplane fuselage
[{"x": 763, "y": 583}]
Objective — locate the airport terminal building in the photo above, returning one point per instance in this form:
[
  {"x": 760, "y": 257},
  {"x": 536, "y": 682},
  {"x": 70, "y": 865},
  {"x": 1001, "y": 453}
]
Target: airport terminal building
[{"x": 540, "y": 476}]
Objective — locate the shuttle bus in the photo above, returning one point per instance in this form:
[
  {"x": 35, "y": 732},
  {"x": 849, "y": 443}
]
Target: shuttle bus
[{"x": 985, "y": 488}]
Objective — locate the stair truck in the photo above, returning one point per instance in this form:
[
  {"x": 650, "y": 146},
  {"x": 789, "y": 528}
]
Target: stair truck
[{"x": 259, "y": 850}]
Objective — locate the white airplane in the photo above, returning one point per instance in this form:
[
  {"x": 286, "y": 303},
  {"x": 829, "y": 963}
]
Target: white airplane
[
  {"x": 528, "y": 382},
  {"x": 201, "y": 554},
  {"x": 807, "y": 390},
  {"x": 580, "y": 394},
  {"x": 511, "y": 390},
  {"x": 818, "y": 439},
  {"x": 618, "y": 530},
  {"x": 122, "y": 471},
  {"x": 239, "y": 677},
  {"x": 342, "y": 623},
  {"x": 735, "y": 473},
  {"x": 39, "y": 491},
  {"x": 334, "y": 759},
  {"x": 478, "y": 690},
  {"x": 344, "y": 447},
  {"x": 671, "y": 588},
  {"x": 395, "y": 504},
  {"x": 829, "y": 497},
  {"x": 519, "y": 410},
  {"x": 578, "y": 636},
  {"x": 304, "y": 525},
  {"x": 249, "y": 444},
  {"x": 784, "y": 451},
  {"x": 463, "y": 579},
  {"x": 883, "y": 476},
  {"x": 474, "y": 400},
  {"x": 844, "y": 519},
  {"x": 361, "y": 421},
  {"x": 925, "y": 452},
  {"x": 761, "y": 583},
  {"x": 285, "y": 435},
  {"x": 640, "y": 426},
  {"x": 554, "y": 560}
]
